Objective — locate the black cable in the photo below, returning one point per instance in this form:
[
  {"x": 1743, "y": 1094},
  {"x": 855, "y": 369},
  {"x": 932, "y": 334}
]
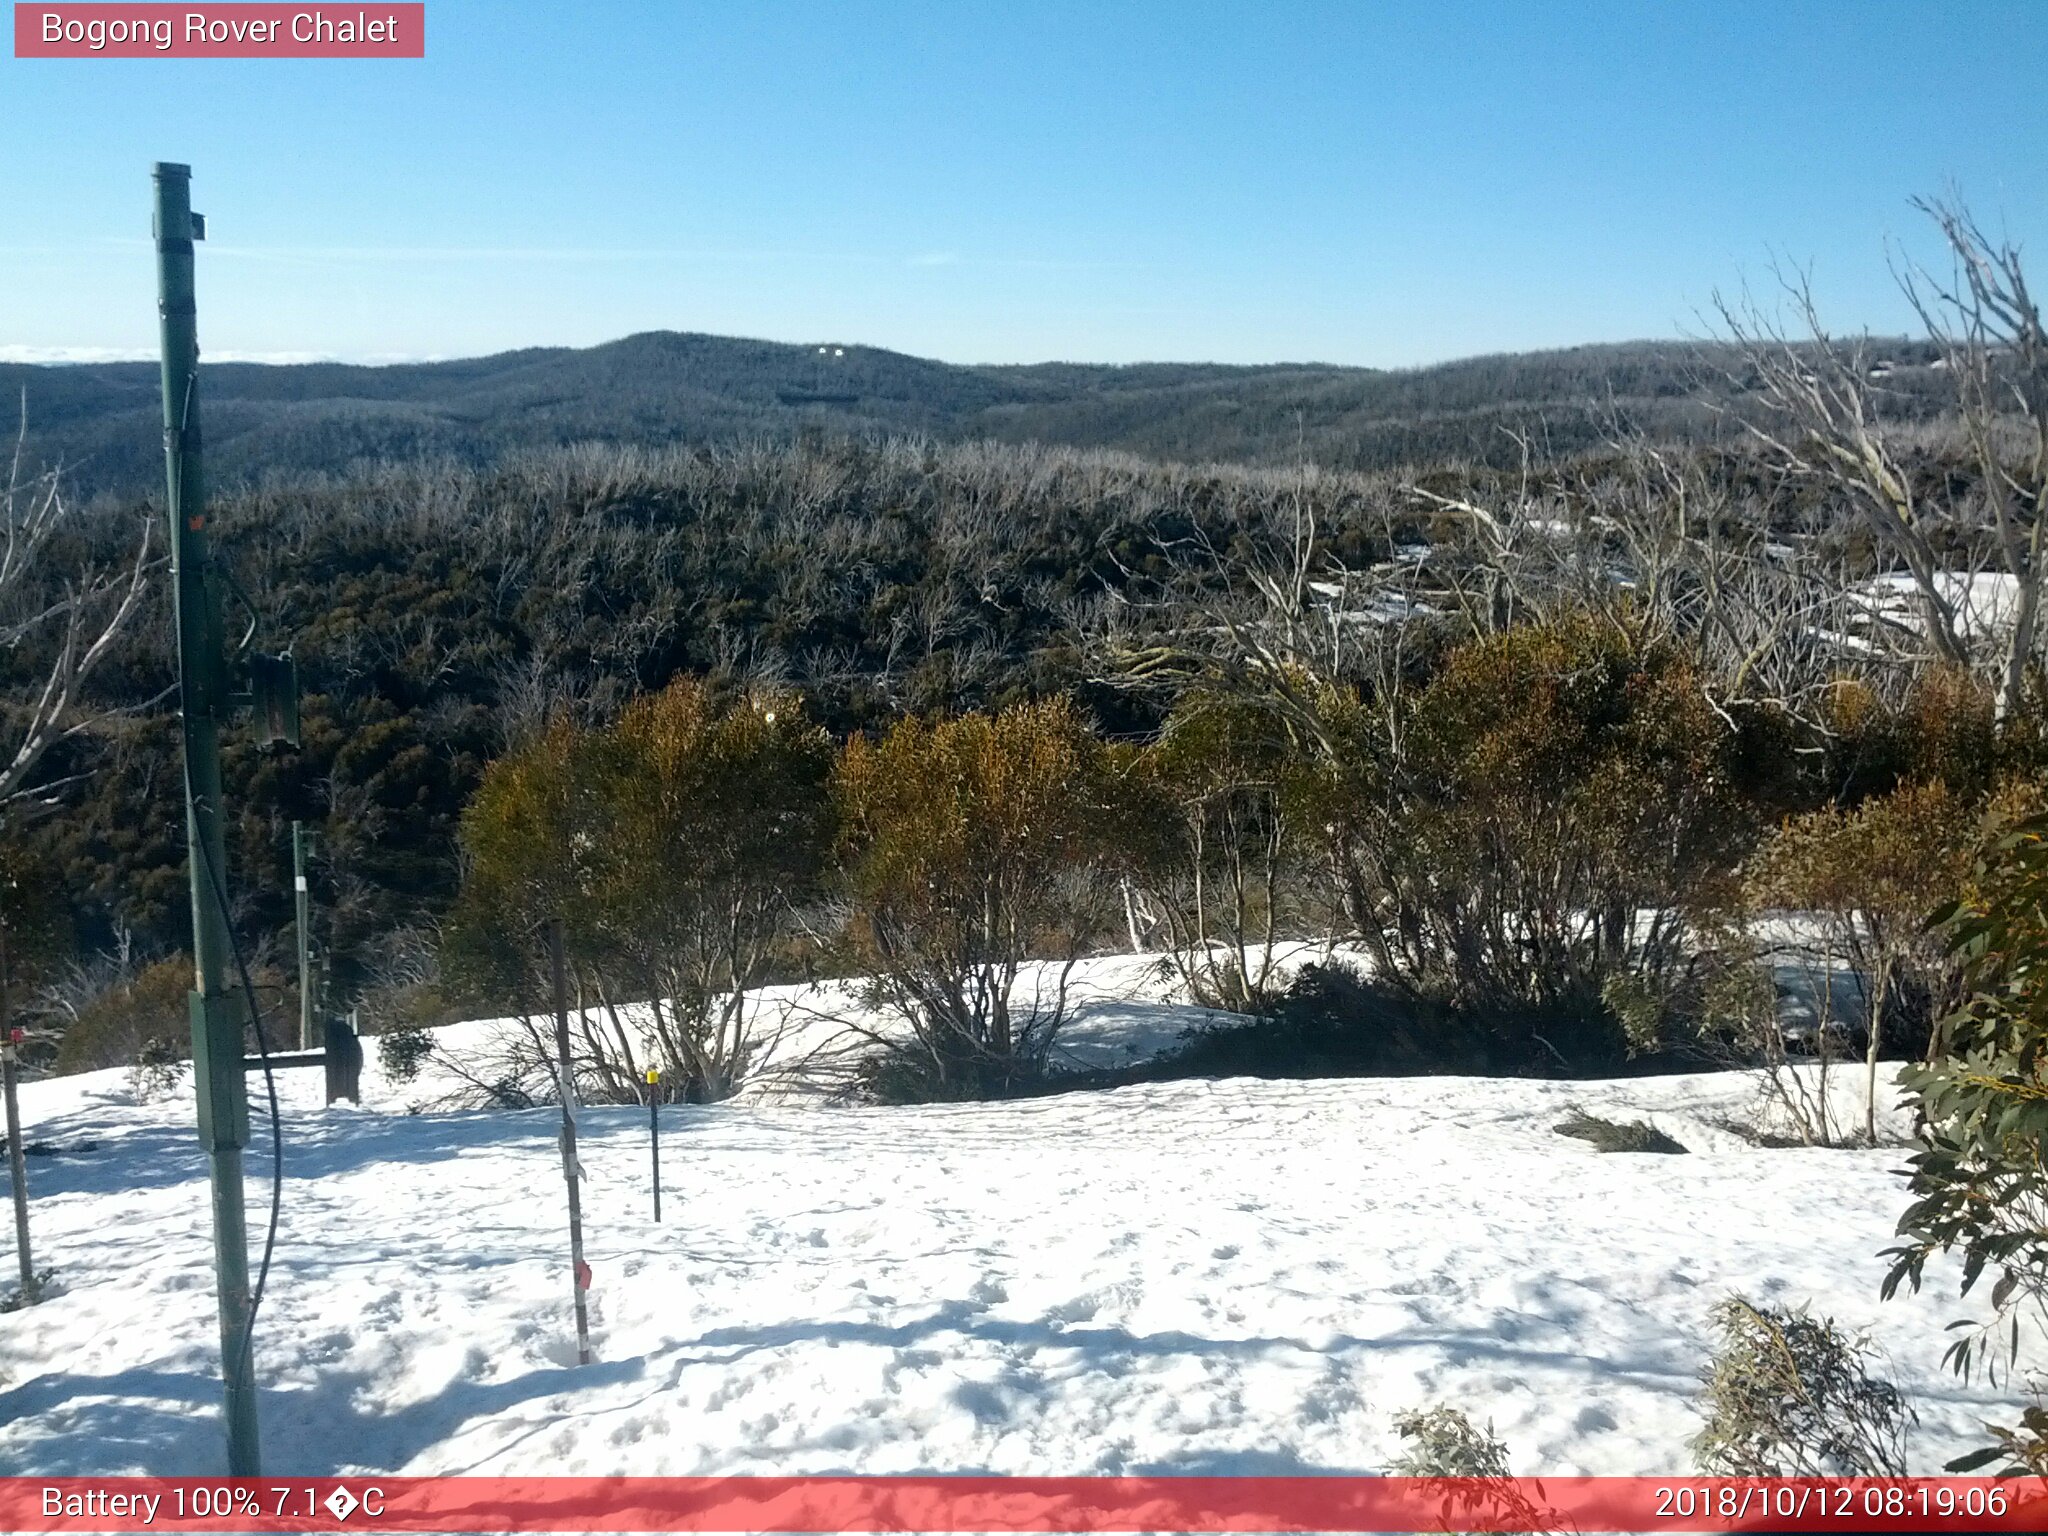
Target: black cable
[{"x": 220, "y": 897}]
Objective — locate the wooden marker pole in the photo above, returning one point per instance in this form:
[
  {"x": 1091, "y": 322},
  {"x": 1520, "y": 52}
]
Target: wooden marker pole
[
  {"x": 654, "y": 1133},
  {"x": 572, "y": 1169},
  {"x": 17, "y": 1165}
]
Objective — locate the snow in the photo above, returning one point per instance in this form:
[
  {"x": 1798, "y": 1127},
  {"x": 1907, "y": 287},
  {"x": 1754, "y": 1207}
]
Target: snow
[
  {"x": 1984, "y": 603},
  {"x": 1370, "y": 608},
  {"x": 1218, "y": 1277},
  {"x": 1386, "y": 608}
]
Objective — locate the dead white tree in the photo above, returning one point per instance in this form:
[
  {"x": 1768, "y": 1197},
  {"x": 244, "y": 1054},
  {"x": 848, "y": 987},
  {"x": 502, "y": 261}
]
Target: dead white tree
[
  {"x": 1826, "y": 413},
  {"x": 1647, "y": 540},
  {"x": 1989, "y": 330},
  {"x": 67, "y": 622},
  {"x": 1247, "y": 610}
]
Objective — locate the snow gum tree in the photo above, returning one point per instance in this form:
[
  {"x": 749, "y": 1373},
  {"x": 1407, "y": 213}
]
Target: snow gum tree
[
  {"x": 533, "y": 850},
  {"x": 971, "y": 845},
  {"x": 1219, "y": 866},
  {"x": 1870, "y": 876},
  {"x": 721, "y": 824},
  {"x": 674, "y": 846},
  {"x": 1539, "y": 819},
  {"x": 1789, "y": 1395},
  {"x": 1979, "y": 1186}
]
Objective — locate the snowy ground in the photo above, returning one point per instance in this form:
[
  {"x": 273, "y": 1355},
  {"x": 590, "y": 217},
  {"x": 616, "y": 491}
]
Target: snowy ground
[{"x": 1193, "y": 1277}]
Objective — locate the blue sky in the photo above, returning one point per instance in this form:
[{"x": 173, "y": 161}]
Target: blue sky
[{"x": 1373, "y": 183}]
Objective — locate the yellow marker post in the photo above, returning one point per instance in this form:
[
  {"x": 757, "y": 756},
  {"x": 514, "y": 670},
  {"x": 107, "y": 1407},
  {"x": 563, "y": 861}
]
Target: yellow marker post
[{"x": 654, "y": 1133}]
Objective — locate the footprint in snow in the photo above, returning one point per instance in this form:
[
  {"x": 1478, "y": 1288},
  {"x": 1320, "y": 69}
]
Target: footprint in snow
[{"x": 1079, "y": 1310}]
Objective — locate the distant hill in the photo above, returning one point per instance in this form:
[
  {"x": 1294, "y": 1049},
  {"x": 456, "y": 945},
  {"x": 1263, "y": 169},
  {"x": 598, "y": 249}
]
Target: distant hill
[{"x": 102, "y": 420}]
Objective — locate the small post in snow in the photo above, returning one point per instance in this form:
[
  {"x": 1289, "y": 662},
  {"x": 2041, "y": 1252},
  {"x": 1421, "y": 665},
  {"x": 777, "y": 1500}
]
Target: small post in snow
[
  {"x": 572, "y": 1170},
  {"x": 654, "y": 1133}
]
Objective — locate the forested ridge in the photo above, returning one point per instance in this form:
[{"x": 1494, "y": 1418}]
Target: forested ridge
[{"x": 103, "y": 420}]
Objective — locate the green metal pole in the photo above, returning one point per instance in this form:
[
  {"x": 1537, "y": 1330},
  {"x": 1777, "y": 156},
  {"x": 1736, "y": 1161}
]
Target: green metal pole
[
  {"x": 203, "y": 696},
  {"x": 300, "y": 838}
]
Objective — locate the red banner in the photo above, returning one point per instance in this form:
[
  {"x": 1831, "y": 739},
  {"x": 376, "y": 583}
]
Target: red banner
[
  {"x": 120, "y": 31},
  {"x": 1002, "y": 1504}
]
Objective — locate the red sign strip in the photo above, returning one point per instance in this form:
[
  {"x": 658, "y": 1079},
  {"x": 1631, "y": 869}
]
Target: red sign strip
[
  {"x": 1003, "y": 1504},
  {"x": 370, "y": 30}
]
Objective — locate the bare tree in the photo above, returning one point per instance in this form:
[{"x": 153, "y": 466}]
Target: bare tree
[
  {"x": 1663, "y": 552},
  {"x": 1990, "y": 333},
  {"x": 1257, "y": 609},
  {"x": 1828, "y": 415},
  {"x": 71, "y": 619}
]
